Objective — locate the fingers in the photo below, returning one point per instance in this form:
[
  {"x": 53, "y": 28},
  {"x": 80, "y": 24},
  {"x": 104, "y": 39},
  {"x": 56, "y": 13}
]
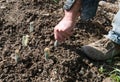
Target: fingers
[
  {"x": 66, "y": 34},
  {"x": 62, "y": 35}
]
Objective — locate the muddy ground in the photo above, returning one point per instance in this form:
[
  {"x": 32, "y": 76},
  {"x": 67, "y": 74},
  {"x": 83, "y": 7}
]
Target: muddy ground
[{"x": 66, "y": 62}]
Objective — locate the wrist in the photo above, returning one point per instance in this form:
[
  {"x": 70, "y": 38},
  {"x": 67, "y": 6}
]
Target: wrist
[{"x": 71, "y": 16}]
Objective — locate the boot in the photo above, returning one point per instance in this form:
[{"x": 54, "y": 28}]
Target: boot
[{"x": 102, "y": 49}]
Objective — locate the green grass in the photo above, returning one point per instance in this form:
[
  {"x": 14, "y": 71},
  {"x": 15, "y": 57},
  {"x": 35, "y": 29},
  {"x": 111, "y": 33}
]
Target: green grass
[
  {"x": 56, "y": 1},
  {"x": 114, "y": 74}
]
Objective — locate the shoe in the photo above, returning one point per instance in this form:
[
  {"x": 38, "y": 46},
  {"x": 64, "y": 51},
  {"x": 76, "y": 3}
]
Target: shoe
[{"x": 101, "y": 50}]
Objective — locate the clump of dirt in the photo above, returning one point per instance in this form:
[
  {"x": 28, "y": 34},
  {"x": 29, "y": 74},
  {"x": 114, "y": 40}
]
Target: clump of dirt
[{"x": 66, "y": 62}]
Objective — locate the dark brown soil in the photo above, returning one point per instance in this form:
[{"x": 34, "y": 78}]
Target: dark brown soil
[{"x": 66, "y": 62}]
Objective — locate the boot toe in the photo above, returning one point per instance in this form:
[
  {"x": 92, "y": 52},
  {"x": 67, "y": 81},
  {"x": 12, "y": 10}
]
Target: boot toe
[{"x": 93, "y": 53}]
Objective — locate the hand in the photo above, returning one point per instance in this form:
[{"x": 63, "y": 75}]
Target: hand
[{"x": 64, "y": 29}]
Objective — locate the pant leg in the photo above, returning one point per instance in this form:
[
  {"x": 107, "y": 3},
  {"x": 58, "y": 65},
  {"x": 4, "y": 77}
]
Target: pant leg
[
  {"x": 114, "y": 33},
  {"x": 68, "y": 4},
  {"x": 89, "y": 8}
]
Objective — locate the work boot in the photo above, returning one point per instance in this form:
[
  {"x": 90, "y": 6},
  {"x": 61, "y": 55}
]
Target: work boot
[{"x": 102, "y": 49}]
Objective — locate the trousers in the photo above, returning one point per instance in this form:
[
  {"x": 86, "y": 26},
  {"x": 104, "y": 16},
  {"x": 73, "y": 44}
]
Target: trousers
[
  {"x": 114, "y": 33},
  {"x": 88, "y": 11}
]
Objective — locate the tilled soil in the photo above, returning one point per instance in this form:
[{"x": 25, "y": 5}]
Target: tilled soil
[{"x": 66, "y": 62}]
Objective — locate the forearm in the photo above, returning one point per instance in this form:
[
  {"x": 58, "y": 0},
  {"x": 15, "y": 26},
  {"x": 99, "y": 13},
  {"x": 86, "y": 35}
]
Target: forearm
[{"x": 72, "y": 12}]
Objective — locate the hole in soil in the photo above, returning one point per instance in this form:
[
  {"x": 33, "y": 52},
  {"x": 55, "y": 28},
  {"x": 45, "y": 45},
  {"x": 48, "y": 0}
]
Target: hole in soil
[
  {"x": 54, "y": 59},
  {"x": 28, "y": 62}
]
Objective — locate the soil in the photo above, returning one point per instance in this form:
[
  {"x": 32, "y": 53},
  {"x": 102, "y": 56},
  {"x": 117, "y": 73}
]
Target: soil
[{"x": 66, "y": 62}]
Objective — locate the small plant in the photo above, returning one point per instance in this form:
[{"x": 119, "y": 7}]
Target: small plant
[
  {"x": 16, "y": 56},
  {"x": 115, "y": 75},
  {"x": 115, "y": 71},
  {"x": 47, "y": 53},
  {"x": 25, "y": 40},
  {"x": 31, "y": 26},
  {"x": 101, "y": 69},
  {"x": 56, "y": 1},
  {"x": 56, "y": 43}
]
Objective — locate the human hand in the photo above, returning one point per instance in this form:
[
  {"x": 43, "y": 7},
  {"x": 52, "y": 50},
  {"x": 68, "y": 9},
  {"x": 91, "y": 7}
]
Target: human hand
[{"x": 63, "y": 29}]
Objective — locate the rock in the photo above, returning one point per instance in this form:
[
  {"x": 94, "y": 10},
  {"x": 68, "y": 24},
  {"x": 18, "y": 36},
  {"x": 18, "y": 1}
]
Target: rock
[{"x": 3, "y": 7}]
